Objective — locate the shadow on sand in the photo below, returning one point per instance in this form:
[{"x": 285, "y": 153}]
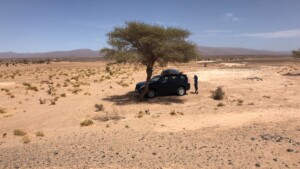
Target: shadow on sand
[{"x": 133, "y": 98}]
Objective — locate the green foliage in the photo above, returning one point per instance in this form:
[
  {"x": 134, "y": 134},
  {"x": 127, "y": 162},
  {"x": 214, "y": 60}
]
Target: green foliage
[{"x": 140, "y": 42}]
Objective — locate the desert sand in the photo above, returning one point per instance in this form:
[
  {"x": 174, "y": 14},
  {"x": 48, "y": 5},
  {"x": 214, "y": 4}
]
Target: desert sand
[{"x": 256, "y": 126}]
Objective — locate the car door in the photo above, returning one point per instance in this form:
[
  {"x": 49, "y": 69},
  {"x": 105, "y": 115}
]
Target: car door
[
  {"x": 162, "y": 85},
  {"x": 173, "y": 83}
]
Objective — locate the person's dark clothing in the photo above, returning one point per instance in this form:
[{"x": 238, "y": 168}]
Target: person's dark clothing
[{"x": 196, "y": 83}]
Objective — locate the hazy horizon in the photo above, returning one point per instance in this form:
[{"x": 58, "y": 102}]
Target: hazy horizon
[{"x": 44, "y": 26}]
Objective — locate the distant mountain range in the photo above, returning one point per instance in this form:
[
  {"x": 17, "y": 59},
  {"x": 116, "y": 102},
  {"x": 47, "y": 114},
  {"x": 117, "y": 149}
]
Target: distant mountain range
[
  {"x": 82, "y": 53},
  {"x": 218, "y": 51},
  {"x": 55, "y": 54}
]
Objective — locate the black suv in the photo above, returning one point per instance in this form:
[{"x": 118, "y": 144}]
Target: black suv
[{"x": 172, "y": 83}]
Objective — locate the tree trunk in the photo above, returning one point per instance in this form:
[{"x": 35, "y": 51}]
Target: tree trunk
[{"x": 149, "y": 72}]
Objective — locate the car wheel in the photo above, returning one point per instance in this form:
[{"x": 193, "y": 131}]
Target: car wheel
[
  {"x": 151, "y": 94},
  {"x": 180, "y": 91}
]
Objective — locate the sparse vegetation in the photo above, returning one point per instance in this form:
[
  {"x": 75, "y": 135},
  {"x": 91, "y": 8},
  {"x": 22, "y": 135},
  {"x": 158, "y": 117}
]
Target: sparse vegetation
[
  {"x": 220, "y": 104},
  {"x": 19, "y": 132},
  {"x": 218, "y": 94},
  {"x": 86, "y": 122},
  {"x": 99, "y": 107},
  {"x": 39, "y": 134},
  {"x": 30, "y": 87},
  {"x": 2, "y": 110},
  {"x": 26, "y": 139},
  {"x": 240, "y": 102},
  {"x": 42, "y": 101}
]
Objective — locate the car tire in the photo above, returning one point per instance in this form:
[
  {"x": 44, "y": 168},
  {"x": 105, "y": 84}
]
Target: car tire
[
  {"x": 151, "y": 94},
  {"x": 180, "y": 91}
]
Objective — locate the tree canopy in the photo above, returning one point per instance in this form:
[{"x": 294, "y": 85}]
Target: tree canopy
[{"x": 147, "y": 44}]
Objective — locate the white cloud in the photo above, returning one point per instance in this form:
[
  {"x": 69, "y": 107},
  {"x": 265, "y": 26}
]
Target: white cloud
[
  {"x": 230, "y": 17},
  {"x": 278, "y": 34}
]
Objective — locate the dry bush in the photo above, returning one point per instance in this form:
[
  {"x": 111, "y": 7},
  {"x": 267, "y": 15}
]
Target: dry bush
[
  {"x": 2, "y": 110},
  {"x": 52, "y": 102},
  {"x": 86, "y": 122},
  {"x": 221, "y": 104},
  {"x": 173, "y": 113},
  {"x": 42, "y": 101},
  {"x": 218, "y": 94},
  {"x": 99, "y": 107},
  {"x": 39, "y": 134},
  {"x": 30, "y": 87},
  {"x": 26, "y": 139},
  {"x": 63, "y": 95},
  {"x": 113, "y": 116},
  {"x": 127, "y": 126},
  {"x": 19, "y": 132},
  {"x": 140, "y": 114},
  {"x": 240, "y": 102}
]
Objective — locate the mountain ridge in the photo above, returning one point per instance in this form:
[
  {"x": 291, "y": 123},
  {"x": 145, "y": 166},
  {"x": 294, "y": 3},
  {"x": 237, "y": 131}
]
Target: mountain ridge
[{"x": 205, "y": 51}]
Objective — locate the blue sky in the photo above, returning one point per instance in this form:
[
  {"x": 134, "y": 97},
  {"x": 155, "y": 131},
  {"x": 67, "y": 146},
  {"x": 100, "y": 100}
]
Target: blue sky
[{"x": 50, "y": 25}]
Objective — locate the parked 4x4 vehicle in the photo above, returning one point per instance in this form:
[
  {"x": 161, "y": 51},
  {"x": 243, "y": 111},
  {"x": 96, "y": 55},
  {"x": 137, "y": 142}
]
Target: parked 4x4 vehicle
[{"x": 167, "y": 83}]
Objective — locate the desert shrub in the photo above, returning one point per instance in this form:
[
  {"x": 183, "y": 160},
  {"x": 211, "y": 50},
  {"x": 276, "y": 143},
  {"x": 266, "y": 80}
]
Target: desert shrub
[
  {"x": 42, "y": 101},
  {"x": 19, "y": 132},
  {"x": 113, "y": 116},
  {"x": 52, "y": 102},
  {"x": 30, "y": 87},
  {"x": 76, "y": 90},
  {"x": 127, "y": 126},
  {"x": 173, "y": 113},
  {"x": 218, "y": 94},
  {"x": 2, "y": 110},
  {"x": 86, "y": 122},
  {"x": 63, "y": 95},
  {"x": 3, "y": 89},
  {"x": 39, "y": 134},
  {"x": 25, "y": 139},
  {"x": 99, "y": 107},
  {"x": 221, "y": 104},
  {"x": 140, "y": 114},
  {"x": 240, "y": 102}
]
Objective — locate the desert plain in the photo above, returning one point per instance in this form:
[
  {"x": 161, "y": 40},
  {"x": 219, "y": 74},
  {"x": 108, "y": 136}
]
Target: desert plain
[{"x": 87, "y": 115}]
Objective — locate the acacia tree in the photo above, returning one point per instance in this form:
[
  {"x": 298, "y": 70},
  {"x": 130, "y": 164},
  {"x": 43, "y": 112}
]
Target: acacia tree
[
  {"x": 149, "y": 44},
  {"x": 296, "y": 53}
]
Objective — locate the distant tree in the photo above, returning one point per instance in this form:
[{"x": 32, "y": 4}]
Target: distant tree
[
  {"x": 148, "y": 44},
  {"x": 296, "y": 53}
]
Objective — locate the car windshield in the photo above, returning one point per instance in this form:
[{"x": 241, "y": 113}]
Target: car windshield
[{"x": 155, "y": 79}]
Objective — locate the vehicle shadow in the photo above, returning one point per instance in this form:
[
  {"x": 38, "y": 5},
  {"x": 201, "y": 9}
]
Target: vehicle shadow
[{"x": 133, "y": 98}]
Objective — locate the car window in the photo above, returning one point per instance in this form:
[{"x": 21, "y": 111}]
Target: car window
[
  {"x": 164, "y": 79},
  {"x": 173, "y": 78}
]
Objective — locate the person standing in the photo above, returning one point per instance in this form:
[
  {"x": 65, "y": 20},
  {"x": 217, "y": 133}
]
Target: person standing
[{"x": 196, "y": 84}]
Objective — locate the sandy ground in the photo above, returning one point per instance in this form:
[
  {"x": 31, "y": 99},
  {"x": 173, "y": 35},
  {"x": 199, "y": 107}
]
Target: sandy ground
[{"x": 258, "y": 125}]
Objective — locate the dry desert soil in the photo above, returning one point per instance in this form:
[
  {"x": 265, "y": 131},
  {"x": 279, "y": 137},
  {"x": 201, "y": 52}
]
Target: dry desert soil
[{"x": 44, "y": 109}]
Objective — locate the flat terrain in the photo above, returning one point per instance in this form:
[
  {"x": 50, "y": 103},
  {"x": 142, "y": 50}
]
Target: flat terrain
[{"x": 256, "y": 125}]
